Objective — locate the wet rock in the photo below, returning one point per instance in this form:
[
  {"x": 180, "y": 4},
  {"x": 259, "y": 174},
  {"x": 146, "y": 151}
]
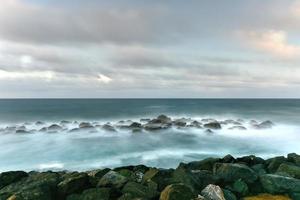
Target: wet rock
[
  {"x": 180, "y": 122},
  {"x": 108, "y": 128},
  {"x": 251, "y": 160},
  {"x": 135, "y": 125},
  {"x": 22, "y": 132},
  {"x": 44, "y": 129},
  {"x": 54, "y": 127},
  {"x": 164, "y": 119},
  {"x": 240, "y": 187},
  {"x": 7, "y": 178},
  {"x": 162, "y": 177},
  {"x": 196, "y": 124},
  {"x": 259, "y": 169},
  {"x": 145, "y": 120},
  {"x": 228, "y": 195},
  {"x": 74, "y": 130},
  {"x": 112, "y": 179},
  {"x": 73, "y": 183},
  {"x": 276, "y": 184},
  {"x": 209, "y": 132},
  {"x": 206, "y": 164},
  {"x": 138, "y": 190},
  {"x": 294, "y": 158},
  {"x": 35, "y": 187},
  {"x": 240, "y": 128},
  {"x": 96, "y": 175},
  {"x": 253, "y": 122},
  {"x": 155, "y": 126},
  {"x": 213, "y": 125},
  {"x": 289, "y": 169},
  {"x": 92, "y": 194},
  {"x": 213, "y": 192},
  {"x": 176, "y": 192},
  {"x": 267, "y": 197},
  {"x": 84, "y": 125},
  {"x": 231, "y": 172},
  {"x": 228, "y": 159},
  {"x": 39, "y": 123}
]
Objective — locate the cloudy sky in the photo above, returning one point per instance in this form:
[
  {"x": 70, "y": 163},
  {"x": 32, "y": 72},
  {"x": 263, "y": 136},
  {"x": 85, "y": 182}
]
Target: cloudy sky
[{"x": 137, "y": 48}]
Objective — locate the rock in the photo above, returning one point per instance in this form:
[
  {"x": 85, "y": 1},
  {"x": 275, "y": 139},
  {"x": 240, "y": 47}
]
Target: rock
[
  {"x": 39, "y": 123},
  {"x": 240, "y": 187},
  {"x": 290, "y": 170},
  {"x": 73, "y": 183},
  {"x": 112, "y": 179},
  {"x": 145, "y": 120},
  {"x": 135, "y": 125},
  {"x": 84, "y": 125},
  {"x": 164, "y": 119},
  {"x": 54, "y": 127},
  {"x": 295, "y": 195},
  {"x": 228, "y": 159},
  {"x": 251, "y": 160},
  {"x": 228, "y": 195},
  {"x": 264, "y": 125},
  {"x": 44, "y": 129},
  {"x": 176, "y": 192},
  {"x": 96, "y": 175},
  {"x": 155, "y": 126},
  {"x": 240, "y": 128},
  {"x": 208, "y": 132},
  {"x": 196, "y": 124},
  {"x": 294, "y": 158},
  {"x": 267, "y": 197},
  {"x": 7, "y": 178},
  {"x": 206, "y": 164},
  {"x": 36, "y": 186},
  {"x": 213, "y": 125},
  {"x": 180, "y": 122},
  {"x": 22, "y": 132},
  {"x": 232, "y": 172},
  {"x": 109, "y": 128},
  {"x": 64, "y": 122},
  {"x": 274, "y": 163},
  {"x": 253, "y": 122},
  {"x": 212, "y": 192},
  {"x": 162, "y": 177},
  {"x": 91, "y": 194},
  {"x": 138, "y": 190},
  {"x": 259, "y": 169},
  {"x": 276, "y": 184}
]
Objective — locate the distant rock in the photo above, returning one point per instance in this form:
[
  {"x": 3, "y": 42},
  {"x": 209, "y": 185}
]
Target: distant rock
[
  {"x": 83, "y": 125},
  {"x": 108, "y": 128},
  {"x": 22, "y": 131},
  {"x": 54, "y": 127},
  {"x": 39, "y": 123},
  {"x": 264, "y": 125},
  {"x": 213, "y": 125},
  {"x": 240, "y": 128}
]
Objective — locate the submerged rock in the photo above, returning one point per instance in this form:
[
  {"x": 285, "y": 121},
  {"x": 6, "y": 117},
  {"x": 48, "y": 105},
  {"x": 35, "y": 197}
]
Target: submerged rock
[
  {"x": 241, "y": 128},
  {"x": 22, "y": 131},
  {"x": 83, "y": 125},
  {"x": 264, "y": 125},
  {"x": 176, "y": 192},
  {"x": 109, "y": 128},
  {"x": 213, "y": 125},
  {"x": 212, "y": 192},
  {"x": 54, "y": 127}
]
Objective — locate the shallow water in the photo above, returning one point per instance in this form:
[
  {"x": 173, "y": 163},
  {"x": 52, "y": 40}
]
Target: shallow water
[{"x": 83, "y": 151}]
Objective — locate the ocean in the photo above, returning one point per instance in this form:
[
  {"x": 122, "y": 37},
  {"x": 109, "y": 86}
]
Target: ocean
[{"x": 34, "y": 149}]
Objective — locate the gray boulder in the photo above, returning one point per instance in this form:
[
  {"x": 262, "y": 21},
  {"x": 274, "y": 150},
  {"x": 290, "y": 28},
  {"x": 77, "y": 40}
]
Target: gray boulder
[{"x": 213, "y": 192}]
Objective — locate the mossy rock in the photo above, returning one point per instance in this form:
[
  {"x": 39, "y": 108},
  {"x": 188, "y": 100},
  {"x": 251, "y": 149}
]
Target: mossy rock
[
  {"x": 229, "y": 195},
  {"x": 96, "y": 175},
  {"x": 75, "y": 183},
  {"x": 138, "y": 190},
  {"x": 295, "y": 158},
  {"x": 276, "y": 184},
  {"x": 267, "y": 197},
  {"x": 176, "y": 192},
  {"x": 7, "y": 178},
  {"x": 274, "y": 163},
  {"x": 206, "y": 164},
  {"x": 240, "y": 187},
  {"x": 161, "y": 177},
  {"x": 112, "y": 179},
  {"x": 290, "y": 170}
]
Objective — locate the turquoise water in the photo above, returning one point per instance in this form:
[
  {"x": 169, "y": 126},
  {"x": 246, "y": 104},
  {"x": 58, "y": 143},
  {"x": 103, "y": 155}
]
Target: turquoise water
[{"x": 82, "y": 151}]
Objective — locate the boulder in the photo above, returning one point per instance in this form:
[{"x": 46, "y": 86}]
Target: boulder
[
  {"x": 138, "y": 190},
  {"x": 196, "y": 124},
  {"x": 276, "y": 184},
  {"x": 91, "y": 194},
  {"x": 229, "y": 195},
  {"x": 39, "y": 123},
  {"x": 108, "y": 128},
  {"x": 112, "y": 179},
  {"x": 294, "y": 158},
  {"x": 274, "y": 163},
  {"x": 22, "y": 131},
  {"x": 85, "y": 125},
  {"x": 180, "y": 122},
  {"x": 7, "y": 178},
  {"x": 231, "y": 172},
  {"x": 290, "y": 170},
  {"x": 264, "y": 125},
  {"x": 240, "y": 128},
  {"x": 54, "y": 127},
  {"x": 162, "y": 177},
  {"x": 135, "y": 125},
  {"x": 240, "y": 187},
  {"x": 206, "y": 164},
  {"x": 267, "y": 197},
  {"x": 213, "y": 192},
  {"x": 176, "y": 192},
  {"x": 36, "y": 186},
  {"x": 259, "y": 169},
  {"x": 228, "y": 159},
  {"x": 96, "y": 175},
  {"x": 73, "y": 183},
  {"x": 164, "y": 119},
  {"x": 213, "y": 125},
  {"x": 251, "y": 160}
]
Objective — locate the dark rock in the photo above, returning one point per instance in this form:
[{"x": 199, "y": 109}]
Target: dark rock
[
  {"x": 295, "y": 195},
  {"x": 180, "y": 122},
  {"x": 290, "y": 170},
  {"x": 84, "y": 125},
  {"x": 39, "y": 123},
  {"x": 109, "y": 128},
  {"x": 228, "y": 159},
  {"x": 135, "y": 125},
  {"x": 54, "y": 127},
  {"x": 264, "y": 125},
  {"x": 294, "y": 158},
  {"x": 176, "y": 192},
  {"x": 74, "y": 183},
  {"x": 206, "y": 164},
  {"x": 138, "y": 190},
  {"x": 231, "y": 172},
  {"x": 213, "y": 125},
  {"x": 274, "y": 163},
  {"x": 164, "y": 118},
  {"x": 240, "y": 128},
  {"x": 7, "y": 178},
  {"x": 240, "y": 187},
  {"x": 208, "y": 132},
  {"x": 92, "y": 194},
  {"x": 96, "y": 175},
  {"x": 38, "y": 186},
  {"x": 112, "y": 179},
  {"x": 22, "y": 132},
  {"x": 259, "y": 169},
  {"x": 251, "y": 160},
  {"x": 196, "y": 124},
  {"x": 44, "y": 129},
  {"x": 276, "y": 184},
  {"x": 213, "y": 192},
  {"x": 162, "y": 177}
]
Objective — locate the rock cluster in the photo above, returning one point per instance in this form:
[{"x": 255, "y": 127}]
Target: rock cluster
[
  {"x": 228, "y": 178},
  {"x": 162, "y": 122}
]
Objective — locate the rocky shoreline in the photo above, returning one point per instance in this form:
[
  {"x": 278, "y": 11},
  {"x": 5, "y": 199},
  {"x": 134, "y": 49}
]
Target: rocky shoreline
[
  {"x": 247, "y": 178},
  {"x": 161, "y": 122}
]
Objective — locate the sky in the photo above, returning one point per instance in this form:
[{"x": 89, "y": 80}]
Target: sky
[{"x": 149, "y": 49}]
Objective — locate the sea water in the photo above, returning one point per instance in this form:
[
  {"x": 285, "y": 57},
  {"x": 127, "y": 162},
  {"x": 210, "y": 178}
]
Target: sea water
[{"x": 64, "y": 150}]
